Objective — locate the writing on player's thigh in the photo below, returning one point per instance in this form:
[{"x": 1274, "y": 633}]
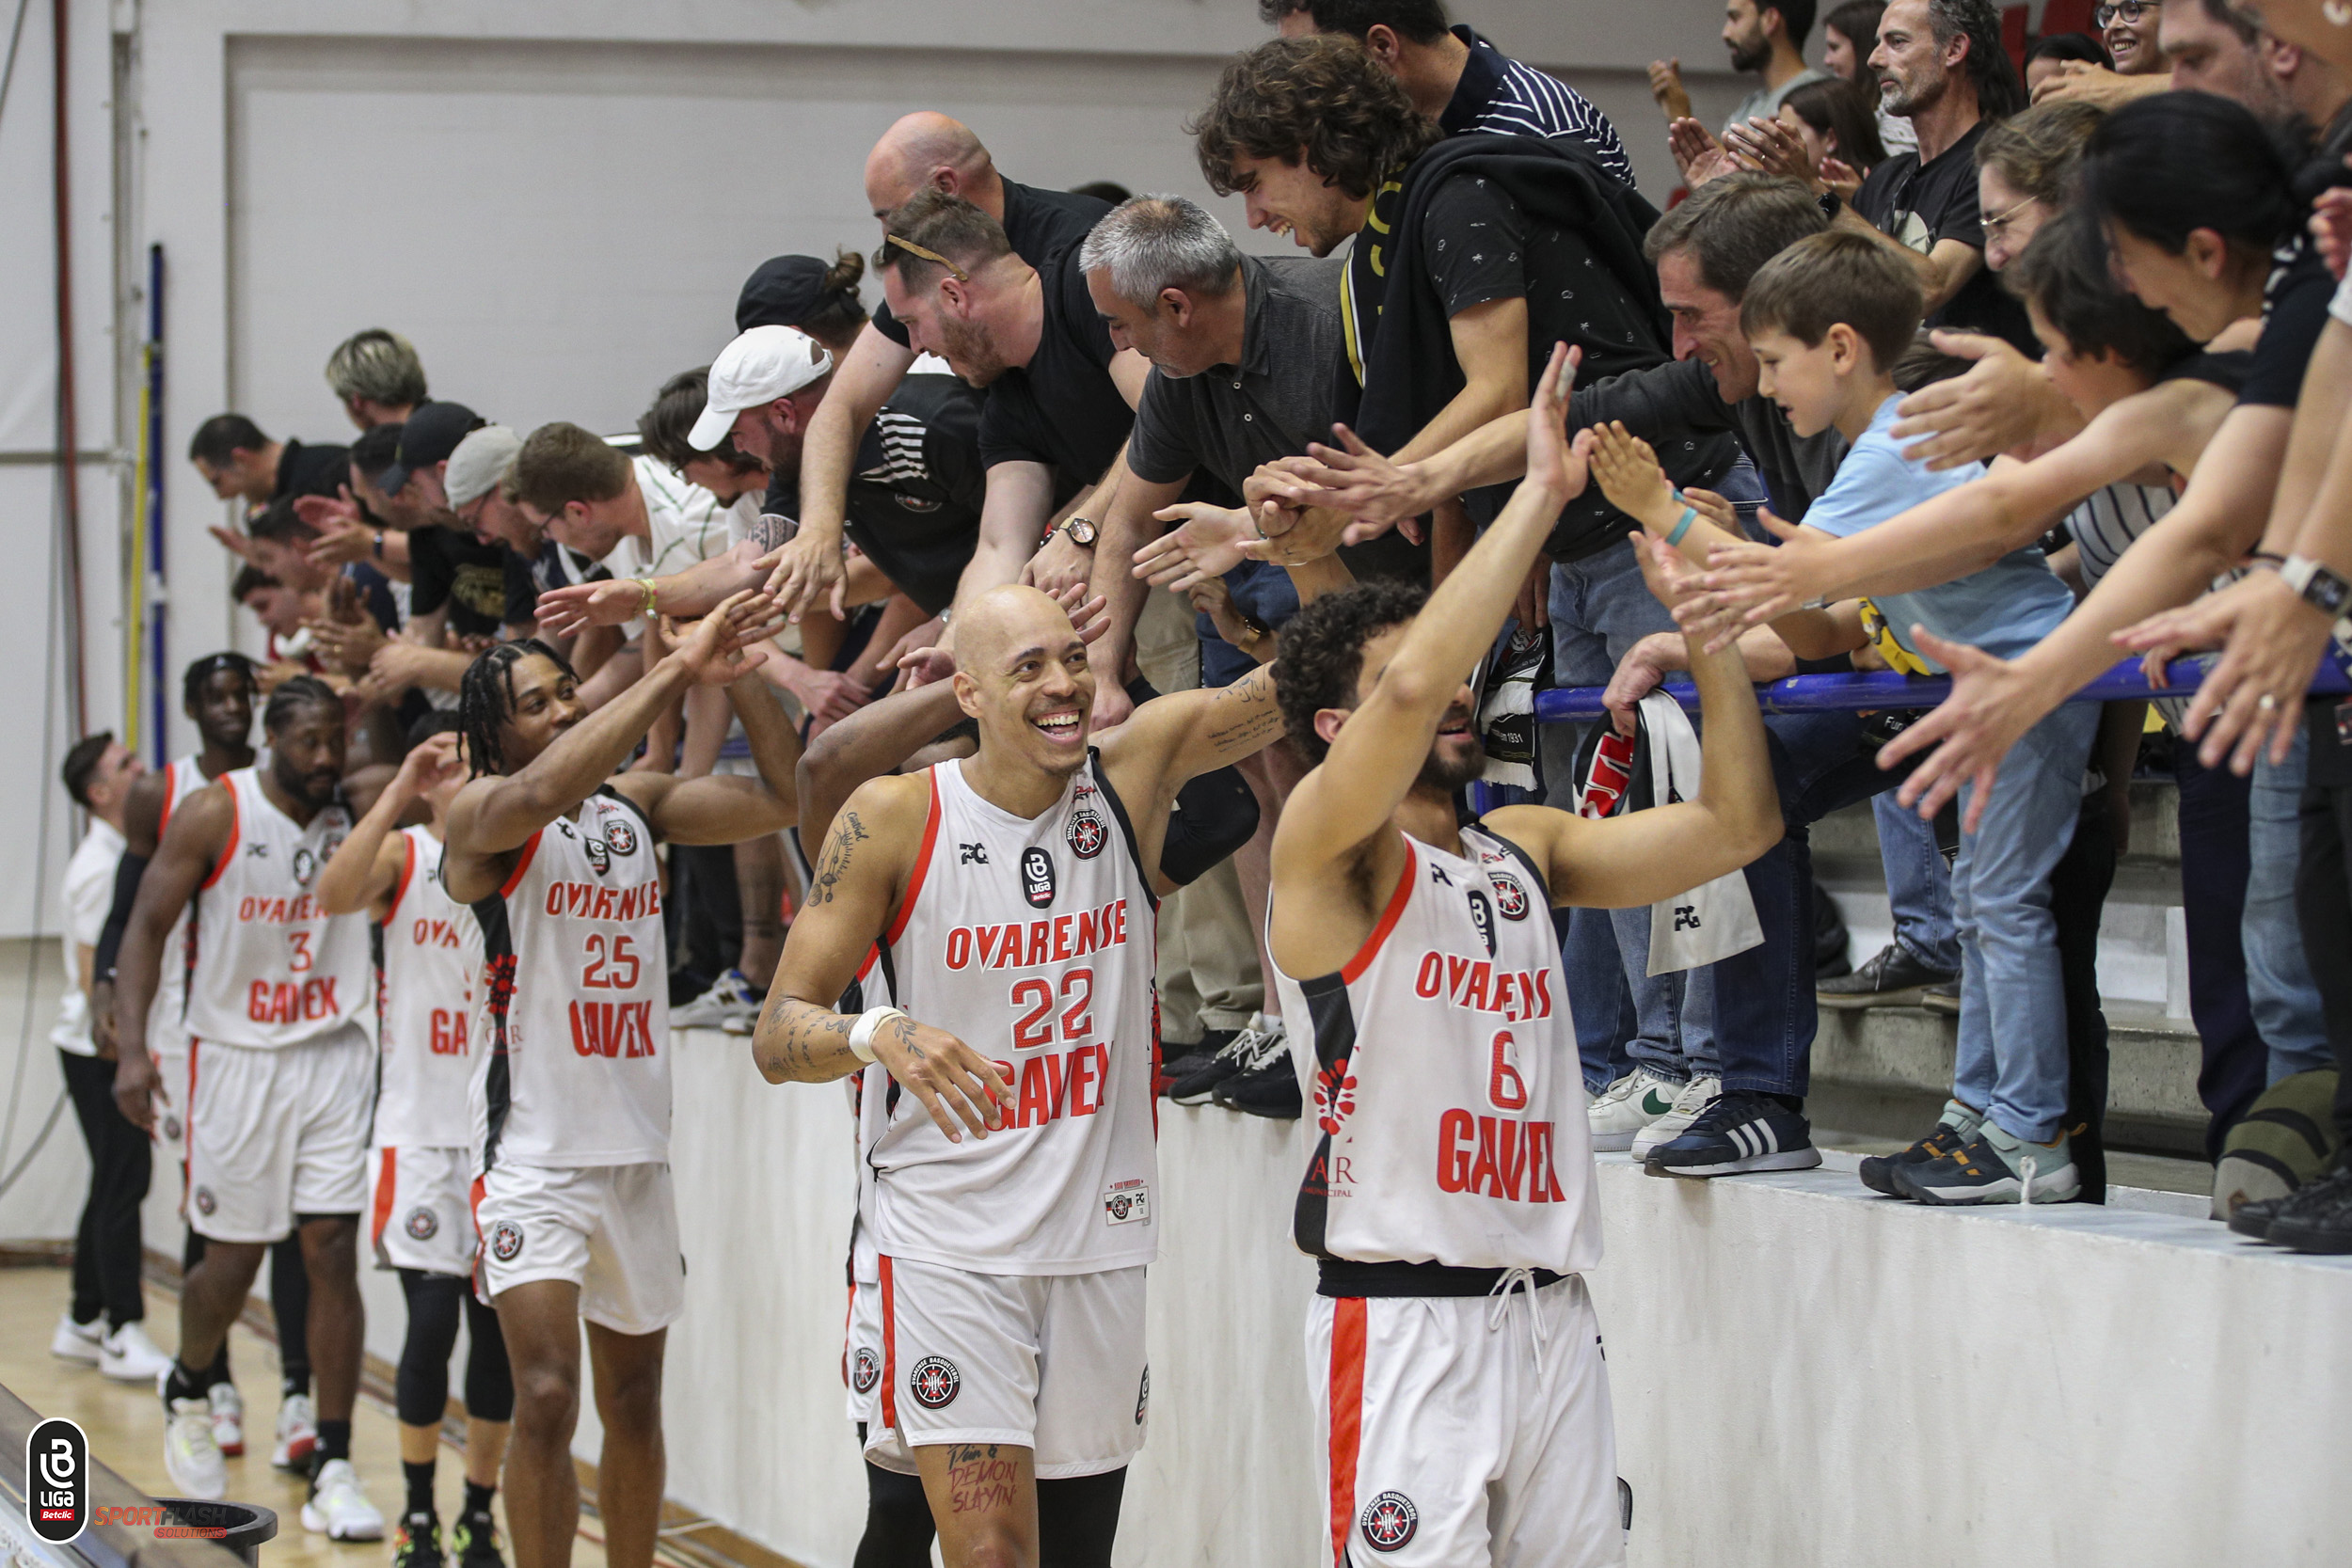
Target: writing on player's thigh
[{"x": 980, "y": 1493}]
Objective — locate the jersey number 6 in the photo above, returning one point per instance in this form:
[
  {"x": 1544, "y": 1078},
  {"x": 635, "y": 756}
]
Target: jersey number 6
[{"x": 1506, "y": 1088}]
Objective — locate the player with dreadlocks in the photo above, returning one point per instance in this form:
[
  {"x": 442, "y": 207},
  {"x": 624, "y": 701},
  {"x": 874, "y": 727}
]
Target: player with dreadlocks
[{"x": 570, "y": 1094}]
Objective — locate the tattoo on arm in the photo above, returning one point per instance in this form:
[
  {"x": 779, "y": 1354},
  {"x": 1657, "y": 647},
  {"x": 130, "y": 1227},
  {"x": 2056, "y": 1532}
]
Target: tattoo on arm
[
  {"x": 1241, "y": 733},
  {"x": 770, "y": 531},
  {"x": 807, "y": 1030},
  {"x": 979, "y": 1482},
  {"x": 847, "y": 835}
]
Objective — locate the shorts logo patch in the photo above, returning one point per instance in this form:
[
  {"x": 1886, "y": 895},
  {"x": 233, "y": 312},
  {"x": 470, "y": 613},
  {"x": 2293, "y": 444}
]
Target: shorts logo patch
[
  {"x": 620, "y": 838},
  {"x": 506, "y": 1241},
  {"x": 1143, "y": 1396},
  {"x": 423, "y": 1224},
  {"x": 1510, "y": 898},
  {"x": 205, "y": 1202},
  {"x": 1087, "y": 833},
  {"x": 172, "y": 1129},
  {"x": 934, "y": 1382},
  {"x": 1037, "y": 877},
  {"x": 865, "y": 1370},
  {"x": 1389, "y": 1522}
]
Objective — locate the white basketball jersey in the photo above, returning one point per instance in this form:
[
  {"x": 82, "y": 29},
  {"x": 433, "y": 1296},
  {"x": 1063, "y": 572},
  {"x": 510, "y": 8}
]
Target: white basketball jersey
[
  {"x": 166, "y": 1016},
  {"x": 273, "y": 968},
  {"x": 573, "y": 1044},
  {"x": 431, "y": 950},
  {"x": 1446, "y": 1080},
  {"x": 1033, "y": 941}
]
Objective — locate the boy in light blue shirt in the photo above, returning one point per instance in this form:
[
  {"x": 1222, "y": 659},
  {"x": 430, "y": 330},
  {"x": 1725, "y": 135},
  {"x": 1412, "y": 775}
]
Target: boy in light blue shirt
[{"x": 1827, "y": 318}]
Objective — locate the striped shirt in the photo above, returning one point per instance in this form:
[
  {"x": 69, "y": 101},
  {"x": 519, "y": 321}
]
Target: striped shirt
[{"x": 1497, "y": 96}]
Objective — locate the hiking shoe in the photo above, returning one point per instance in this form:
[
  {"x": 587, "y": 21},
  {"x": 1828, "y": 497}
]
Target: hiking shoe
[
  {"x": 1193, "y": 1060},
  {"x": 1626, "y": 1107},
  {"x": 83, "y": 1342},
  {"x": 2316, "y": 1216},
  {"x": 475, "y": 1539},
  {"x": 1690, "y": 1100},
  {"x": 1993, "y": 1166},
  {"x": 1892, "y": 979},
  {"x": 1268, "y": 1086},
  {"x": 228, "y": 1407},
  {"x": 298, "y": 1433},
  {"x": 1237, "y": 1056},
  {"x": 1957, "y": 1125},
  {"x": 191, "y": 1455},
  {"x": 1738, "y": 1132},
  {"x": 1942, "y": 999},
  {"x": 2254, "y": 1219},
  {"x": 338, "y": 1509},
  {"x": 129, "y": 1355},
  {"x": 729, "y": 1001},
  {"x": 416, "y": 1543}
]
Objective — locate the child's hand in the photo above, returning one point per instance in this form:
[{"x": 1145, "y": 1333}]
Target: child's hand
[
  {"x": 1747, "y": 584},
  {"x": 1670, "y": 577},
  {"x": 1631, "y": 478}
]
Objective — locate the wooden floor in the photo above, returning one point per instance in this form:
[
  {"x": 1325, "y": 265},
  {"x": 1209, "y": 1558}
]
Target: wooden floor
[{"x": 125, "y": 1425}]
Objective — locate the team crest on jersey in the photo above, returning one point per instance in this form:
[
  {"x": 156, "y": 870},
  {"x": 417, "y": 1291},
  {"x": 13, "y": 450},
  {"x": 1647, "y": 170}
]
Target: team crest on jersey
[
  {"x": 865, "y": 1370},
  {"x": 1335, "y": 1098},
  {"x": 205, "y": 1202},
  {"x": 1143, "y": 1396},
  {"x": 423, "y": 1224},
  {"x": 1037, "y": 877},
  {"x": 1087, "y": 834},
  {"x": 506, "y": 1241},
  {"x": 620, "y": 838},
  {"x": 1483, "y": 916},
  {"x": 599, "y": 855},
  {"x": 1390, "y": 1521},
  {"x": 305, "y": 863},
  {"x": 171, "y": 1129},
  {"x": 1510, "y": 898},
  {"x": 934, "y": 1382}
]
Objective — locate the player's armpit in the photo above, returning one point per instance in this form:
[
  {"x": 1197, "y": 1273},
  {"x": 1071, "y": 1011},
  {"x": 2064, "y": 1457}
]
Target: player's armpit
[
  {"x": 1185, "y": 733},
  {"x": 1626, "y": 861}
]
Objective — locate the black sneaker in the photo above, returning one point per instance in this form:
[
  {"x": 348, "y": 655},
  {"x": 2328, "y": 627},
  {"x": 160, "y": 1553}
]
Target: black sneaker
[
  {"x": 1193, "y": 1060},
  {"x": 1992, "y": 1167},
  {"x": 1891, "y": 979},
  {"x": 416, "y": 1543},
  {"x": 1739, "y": 1131},
  {"x": 2316, "y": 1216},
  {"x": 1942, "y": 999},
  {"x": 475, "y": 1539},
  {"x": 2254, "y": 1219},
  {"x": 1237, "y": 1056},
  {"x": 1959, "y": 1124},
  {"x": 1271, "y": 1091}
]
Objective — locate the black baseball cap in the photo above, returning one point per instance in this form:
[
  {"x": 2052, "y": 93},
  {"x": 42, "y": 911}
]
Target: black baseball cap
[
  {"x": 784, "y": 292},
  {"x": 432, "y": 433}
]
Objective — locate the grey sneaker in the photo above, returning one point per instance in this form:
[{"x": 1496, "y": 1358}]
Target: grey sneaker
[{"x": 1891, "y": 979}]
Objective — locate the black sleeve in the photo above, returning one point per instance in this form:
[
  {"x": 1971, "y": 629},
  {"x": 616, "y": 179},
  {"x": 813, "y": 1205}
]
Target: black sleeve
[
  {"x": 1474, "y": 241},
  {"x": 127, "y": 874},
  {"x": 1663, "y": 401},
  {"x": 522, "y": 594},
  {"x": 888, "y": 324},
  {"x": 429, "y": 572},
  {"x": 1161, "y": 448},
  {"x": 1013, "y": 427},
  {"x": 952, "y": 450},
  {"x": 2296, "y": 316},
  {"x": 1961, "y": 215}
]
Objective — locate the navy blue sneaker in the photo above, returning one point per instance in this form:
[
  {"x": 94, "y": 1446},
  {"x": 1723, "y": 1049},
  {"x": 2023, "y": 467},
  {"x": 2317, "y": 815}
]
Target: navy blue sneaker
[{"x": 1739, "y": 1132}]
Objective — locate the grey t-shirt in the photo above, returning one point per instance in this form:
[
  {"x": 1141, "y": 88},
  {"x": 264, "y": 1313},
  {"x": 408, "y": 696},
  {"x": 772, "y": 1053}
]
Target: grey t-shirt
[{"x": 1764, "y": 103}]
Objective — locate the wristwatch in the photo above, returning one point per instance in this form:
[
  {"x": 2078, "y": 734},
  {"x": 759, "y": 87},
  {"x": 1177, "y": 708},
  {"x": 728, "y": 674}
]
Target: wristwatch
[
  {"x": 2323, "y": 589},
  {"x": 1082, "y": 531}
]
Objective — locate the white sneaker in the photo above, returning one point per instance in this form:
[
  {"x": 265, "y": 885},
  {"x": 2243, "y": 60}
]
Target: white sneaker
[
  {"x": 1626, "y": 1107},
  {"x": 1694, "y": 1097},
  {"x": 729, "y": 1000},
  {"x": 129, "y": 1354},
  {"x": 338, "y": 1509},
  {"x": 228, "y": 1407},
  {"x": 298, "y": 1433},
  {"x": 83, "y": 1342},
  {"x": 191, "y": 1455}
]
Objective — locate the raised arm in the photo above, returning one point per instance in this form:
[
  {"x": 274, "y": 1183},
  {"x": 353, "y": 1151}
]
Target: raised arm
[
  {"x": 365, "y": 867},
  {"x": 869, "y": 743},
  {"x": 724, "y": 808},
  {"x": 199, "y": 834},
  {"x": 811, "y": 567}
]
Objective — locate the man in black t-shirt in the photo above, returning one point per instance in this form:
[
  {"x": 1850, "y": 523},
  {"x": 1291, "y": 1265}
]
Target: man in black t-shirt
[
  {"x": 240, "y": 463},
  {"x": 924, "y": 150}
]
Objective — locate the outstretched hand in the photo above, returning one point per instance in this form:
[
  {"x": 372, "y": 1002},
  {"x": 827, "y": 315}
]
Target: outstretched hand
[
  {"x": 2253, "y": 699},
  {"x": 810, "y": 568},
  {"x": 1554, "y": 462},
  {"x": 1746, "y": 584},
  {"x": 712, "y": 650},
  {"x": 1630, "y": 476},
  {"x": 1990, "y": 708}
]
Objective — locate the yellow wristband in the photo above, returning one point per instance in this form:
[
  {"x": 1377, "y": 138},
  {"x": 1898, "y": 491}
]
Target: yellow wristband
[{"x": 651, "y": 593}]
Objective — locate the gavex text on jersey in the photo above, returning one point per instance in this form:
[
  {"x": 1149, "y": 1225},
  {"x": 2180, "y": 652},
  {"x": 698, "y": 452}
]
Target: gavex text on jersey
[
  {"x": 1447, "y": 1092},
  {"x": 432, "y": 955},
  {"x": 272, "y": 966},
  {"x": 572, "y": 1039},
  {"x": 1033, "y": 941}
]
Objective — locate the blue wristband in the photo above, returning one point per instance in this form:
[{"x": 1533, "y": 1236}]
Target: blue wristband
[{"x": 1682, "y": 526}]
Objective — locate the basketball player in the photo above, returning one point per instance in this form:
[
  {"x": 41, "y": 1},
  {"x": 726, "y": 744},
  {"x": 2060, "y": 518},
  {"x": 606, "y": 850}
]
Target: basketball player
[
  {"x": 570, "y": 1093},
  {"x": 1009, "y": 894},
  {"x": 420, "y": 1223},
  {"x": 280, "y": 1077},
  {"x": 1455, "y": 1364}
]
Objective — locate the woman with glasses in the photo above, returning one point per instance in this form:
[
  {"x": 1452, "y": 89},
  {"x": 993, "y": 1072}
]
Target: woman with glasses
[
  {"x": 2133, "y": 64},
  {"x": 2023, "y": 168}
]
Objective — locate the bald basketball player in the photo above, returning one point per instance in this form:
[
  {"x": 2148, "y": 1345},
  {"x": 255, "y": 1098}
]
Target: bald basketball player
[
  {"x": 1006, "y": 901},
  {"x": 924, "y": 150},
  {"x": 1453, "y": 1353}
]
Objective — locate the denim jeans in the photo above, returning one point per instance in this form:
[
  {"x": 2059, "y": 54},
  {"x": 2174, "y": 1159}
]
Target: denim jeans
[
  {"x": 2279, "y": 982},
  {"x": 2012, "y": 1053},
  {"x": 2212, "y": 903},
  {"x": 1918, "y": 886}
]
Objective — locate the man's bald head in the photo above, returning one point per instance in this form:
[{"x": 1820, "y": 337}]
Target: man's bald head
[
  {"x": 1021, "y": 673},
  {"x": 928, "y": 149},
  {"x": 1005, "y": 620}
]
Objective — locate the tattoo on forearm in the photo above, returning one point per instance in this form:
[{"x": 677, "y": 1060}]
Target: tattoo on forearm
[
  {"x": 771, "y": 532},
  {"x": 978, "y": 1481},
  {"x": 803, "y": 1033},
  {"x": 903, "y": 1030},
  {"x": 847, "y": 835}
]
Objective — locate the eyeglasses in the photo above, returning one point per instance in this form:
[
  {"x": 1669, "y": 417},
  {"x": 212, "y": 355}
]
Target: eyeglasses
[
  {"x": 912, "y": 250},
  {"x": 1998, "y": 224},
  {"x": 2133, "y": 11}
]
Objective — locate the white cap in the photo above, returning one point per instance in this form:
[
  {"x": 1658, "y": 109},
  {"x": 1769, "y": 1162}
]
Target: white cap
[
  {"x": 479, "y": 463},
  {"x": 759, "y": 367}
]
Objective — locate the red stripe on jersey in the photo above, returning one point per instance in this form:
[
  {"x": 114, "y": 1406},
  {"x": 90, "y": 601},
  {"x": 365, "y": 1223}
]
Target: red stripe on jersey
[
  {"x": 171, "y": 789},
  {"x": 473, "y": 1212},
  {"x": 848, "y": 1315},
  {"x": 1347, "y": 1417},
  {"x": 523, "y": 864},
  {"x": 384, "y": 1185},
  {"x": 922, "y": 867},
  {"x": 890, "y": 1348},
  {"x": 227, "y": 850},
  {"x": 407, "y": 870},
  {"x": 1398, "y": 901}
]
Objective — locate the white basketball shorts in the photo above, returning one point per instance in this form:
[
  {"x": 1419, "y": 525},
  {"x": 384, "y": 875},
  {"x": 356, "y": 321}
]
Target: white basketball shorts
[
  {"x": 420, "y": 1216},
  {"x": 861, "y": 1369},
  {"x": 1460, "y": 1430},
  {"x": 273, "y": 1133},
  {"x": 1053, "y": 1362},
  {"x": 609, "y": 1230}
]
